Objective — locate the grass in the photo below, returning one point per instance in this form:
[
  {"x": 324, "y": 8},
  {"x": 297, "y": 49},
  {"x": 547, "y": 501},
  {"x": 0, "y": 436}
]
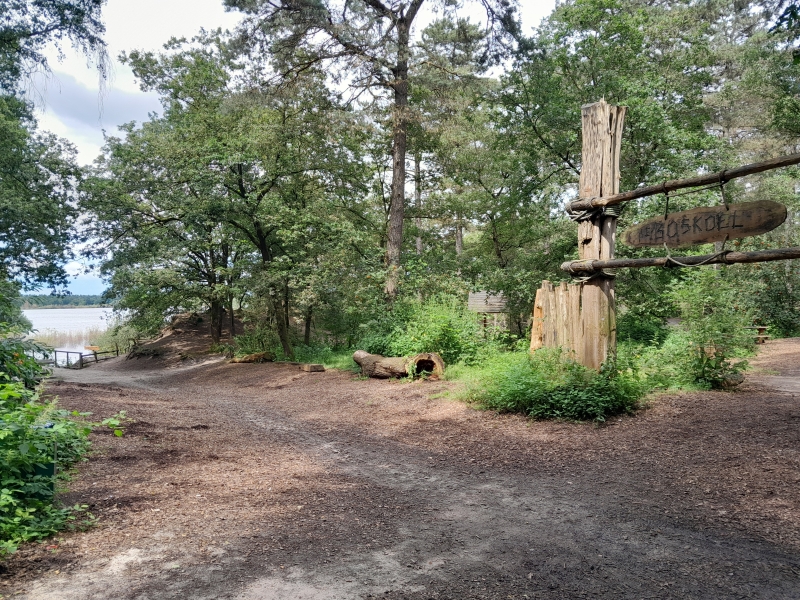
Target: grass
[
  {"x": 328, "y": 357},
  {"x": 60, "y": 339}
]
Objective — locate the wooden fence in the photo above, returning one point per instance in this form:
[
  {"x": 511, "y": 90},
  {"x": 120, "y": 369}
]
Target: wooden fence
[
  {"x": 79, "y": 360},
  {"x": 561, "y": 320}
]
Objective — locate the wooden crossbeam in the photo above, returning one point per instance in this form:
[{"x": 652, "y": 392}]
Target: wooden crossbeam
[
  {"x": 584, "y": 204},
  {"x": 585, "y": 268}
]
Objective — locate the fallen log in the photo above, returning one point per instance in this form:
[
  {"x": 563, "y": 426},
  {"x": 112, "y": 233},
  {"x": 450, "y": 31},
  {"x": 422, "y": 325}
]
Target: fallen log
[
  {"x": 382, "y": 367},
  {"x": 258, "y": 357}
]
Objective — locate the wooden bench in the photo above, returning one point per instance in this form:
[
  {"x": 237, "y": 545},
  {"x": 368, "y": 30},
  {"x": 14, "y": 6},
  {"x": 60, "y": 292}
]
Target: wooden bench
[{"x": 760, "y": 333}]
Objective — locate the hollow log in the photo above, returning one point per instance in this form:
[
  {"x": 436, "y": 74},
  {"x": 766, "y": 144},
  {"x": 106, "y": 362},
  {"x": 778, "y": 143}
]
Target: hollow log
[{"x": 382, "y": 367}]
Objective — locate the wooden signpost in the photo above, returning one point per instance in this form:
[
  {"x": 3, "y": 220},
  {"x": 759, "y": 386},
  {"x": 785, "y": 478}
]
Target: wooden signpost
[
  {"x": 707, "y": 224},
  {"x": 581, "y": 317}
]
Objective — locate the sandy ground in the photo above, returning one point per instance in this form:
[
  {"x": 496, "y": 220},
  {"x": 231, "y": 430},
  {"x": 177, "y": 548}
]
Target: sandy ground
[{"x": 261, "y": 482}]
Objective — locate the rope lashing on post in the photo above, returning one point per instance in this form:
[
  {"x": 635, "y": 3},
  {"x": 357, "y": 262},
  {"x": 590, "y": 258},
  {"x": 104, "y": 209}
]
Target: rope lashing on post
[
  {"x": 585, "y": 215},
  {"x": 576, "y": 274}
]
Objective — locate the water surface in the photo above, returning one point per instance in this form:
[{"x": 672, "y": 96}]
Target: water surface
[{"x": 80, "y": 323}]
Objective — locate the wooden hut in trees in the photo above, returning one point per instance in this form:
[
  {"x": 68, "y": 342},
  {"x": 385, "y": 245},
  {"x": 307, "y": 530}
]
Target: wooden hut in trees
[{"x": 491, "y": 308}]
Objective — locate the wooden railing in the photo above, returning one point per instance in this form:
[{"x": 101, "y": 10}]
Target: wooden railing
[{"x": 79, "y": 360}]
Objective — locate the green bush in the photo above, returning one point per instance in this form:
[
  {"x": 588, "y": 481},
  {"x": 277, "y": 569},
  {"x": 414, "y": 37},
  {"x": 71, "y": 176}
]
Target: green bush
[
  {"x": 548, "y": 385},
  {"x": 442, "y": 325},
  {"x": 640, "y": 326},
  {"x": 715, "y": 320},
  {"x": 261, "y": 338},
  {"x": 36, "y": 441}
]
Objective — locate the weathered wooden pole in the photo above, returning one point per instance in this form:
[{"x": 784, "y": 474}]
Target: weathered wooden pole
[
  {"x": 602, "y": 137},
  {"x": 585, "y": 268}
]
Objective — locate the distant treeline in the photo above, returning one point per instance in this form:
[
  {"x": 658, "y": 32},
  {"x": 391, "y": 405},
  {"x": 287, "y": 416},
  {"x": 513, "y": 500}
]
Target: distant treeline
[{"x": 46, "y": 301}]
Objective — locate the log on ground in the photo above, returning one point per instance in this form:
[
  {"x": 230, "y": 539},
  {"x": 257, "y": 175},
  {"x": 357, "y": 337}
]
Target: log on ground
[
  {"x": 383, "y": 367},
  {"x": 258, "y": 357}
]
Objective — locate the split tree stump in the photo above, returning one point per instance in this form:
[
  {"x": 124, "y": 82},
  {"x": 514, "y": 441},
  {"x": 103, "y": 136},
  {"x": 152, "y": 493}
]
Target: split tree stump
[{"x": 382, "y": 367}]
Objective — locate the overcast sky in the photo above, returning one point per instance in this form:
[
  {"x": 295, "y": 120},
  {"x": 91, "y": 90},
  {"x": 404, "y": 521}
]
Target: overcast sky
[{"x": 73, "y": 103}]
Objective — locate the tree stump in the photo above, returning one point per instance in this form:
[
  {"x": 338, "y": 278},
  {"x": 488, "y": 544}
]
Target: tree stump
[{"x": 382, "y": 367}]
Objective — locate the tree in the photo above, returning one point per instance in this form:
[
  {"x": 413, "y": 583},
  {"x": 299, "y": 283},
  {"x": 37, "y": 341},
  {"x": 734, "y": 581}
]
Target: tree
[
  {"x": 38, "y": 178},
  {"x": 27, "y": 26},
  {"x": 257, "y": 170},
  {"x": 38, "y": 172},
  {"x": 368, "y": 42}
]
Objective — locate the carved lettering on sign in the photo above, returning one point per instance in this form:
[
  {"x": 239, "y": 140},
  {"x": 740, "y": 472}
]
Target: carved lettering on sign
[{"x": 707, "y": 224}]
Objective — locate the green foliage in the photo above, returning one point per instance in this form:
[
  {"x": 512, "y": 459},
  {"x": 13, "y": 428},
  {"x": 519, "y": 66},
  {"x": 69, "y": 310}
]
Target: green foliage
[
  {"x": 38, "y": 178},
  {"x": 17, "y": 362},
  {"x": 259, "y": 338},
  {"x": 121, "y": 335},
  {"x": 330, "y": 358},
  {"x": 27, "y": 27},
  {"x": 442, "y": 325},
  {"x": 10, "y": 311},
  {"x": 715, "y": 319},
  {"x": 37, "y": 440},
  {"x": 548, "y": 385},
  {"x": 639, "y": 325}
]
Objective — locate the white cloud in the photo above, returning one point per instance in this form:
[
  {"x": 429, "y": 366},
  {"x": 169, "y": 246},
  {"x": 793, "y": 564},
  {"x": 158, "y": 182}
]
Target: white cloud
[{"x": 73, "y": 102}]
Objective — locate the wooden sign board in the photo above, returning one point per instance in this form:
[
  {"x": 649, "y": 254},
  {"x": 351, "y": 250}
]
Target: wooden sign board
[
  {"x": 484, "y": 302},
  {"x": 707, "y": 224}
]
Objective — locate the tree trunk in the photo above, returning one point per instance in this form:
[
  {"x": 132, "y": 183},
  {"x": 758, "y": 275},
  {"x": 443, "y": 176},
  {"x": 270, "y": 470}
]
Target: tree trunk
[
  {"x": 307, "y": 332},
  {"x": 459, "y": 236},
  {"x": 399, "y": 142},
  {"x": 418, "y": 199},
  {"x": 286, "y": 305},
  {"x": 280, "y": 322},
  {"x": 382, "y": 367},
  {"x": 232, "y": 332},
  {"x": 216, "y": 321}
]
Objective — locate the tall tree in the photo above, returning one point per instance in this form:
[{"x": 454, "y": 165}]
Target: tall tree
[
  {"x": 28, "y": 26},
  {"x": 38, "y": 172},
  {"x": 368, "y": 43},
  {"x": 265, "y": 163}
]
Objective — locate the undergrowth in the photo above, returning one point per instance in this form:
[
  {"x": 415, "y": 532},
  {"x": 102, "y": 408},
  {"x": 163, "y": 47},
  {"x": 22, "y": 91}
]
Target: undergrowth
[
  {"x": 548, "y": 385},
  {"x": 39, "y": 443}
]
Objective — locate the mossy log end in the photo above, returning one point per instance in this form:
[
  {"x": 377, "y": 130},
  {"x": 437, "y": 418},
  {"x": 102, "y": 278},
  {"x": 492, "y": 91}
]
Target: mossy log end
[{"x": 382, "y": 367}]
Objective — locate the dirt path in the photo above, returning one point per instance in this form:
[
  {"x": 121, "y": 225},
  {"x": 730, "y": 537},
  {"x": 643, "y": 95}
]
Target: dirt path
[{"x": 259, "y": 482}]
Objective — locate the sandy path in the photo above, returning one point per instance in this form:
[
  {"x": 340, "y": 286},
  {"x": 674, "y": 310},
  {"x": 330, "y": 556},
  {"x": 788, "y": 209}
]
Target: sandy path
[{"x": 260, "y": 482}]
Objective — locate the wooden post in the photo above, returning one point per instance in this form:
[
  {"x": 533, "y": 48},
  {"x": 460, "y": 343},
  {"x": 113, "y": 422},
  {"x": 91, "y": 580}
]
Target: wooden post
[{"x": 602, "y": 137}]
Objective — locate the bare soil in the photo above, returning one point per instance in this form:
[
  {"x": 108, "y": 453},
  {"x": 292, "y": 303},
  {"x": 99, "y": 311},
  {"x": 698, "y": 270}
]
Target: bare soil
[{"x": 262, "y": 482}]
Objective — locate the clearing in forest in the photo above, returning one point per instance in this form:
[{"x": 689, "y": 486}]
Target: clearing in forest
[{"x": 264, "y": 482}]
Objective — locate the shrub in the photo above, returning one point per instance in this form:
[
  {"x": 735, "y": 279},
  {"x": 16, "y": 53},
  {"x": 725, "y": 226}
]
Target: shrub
[
  {"x": 442, "y": 325},
  {"x": 36, "y": 440},
  {"x": 715, "y": 320},
  {"x": 261, "y": 338},
  {"x": 548, "y": 385},
  {"x": 640, "y": 326}
]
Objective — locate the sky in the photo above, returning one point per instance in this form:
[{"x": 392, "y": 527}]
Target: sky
[{"x": 74, "y": 103}]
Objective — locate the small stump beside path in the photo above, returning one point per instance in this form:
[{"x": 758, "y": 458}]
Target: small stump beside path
[{"x": 382, "y": 367}]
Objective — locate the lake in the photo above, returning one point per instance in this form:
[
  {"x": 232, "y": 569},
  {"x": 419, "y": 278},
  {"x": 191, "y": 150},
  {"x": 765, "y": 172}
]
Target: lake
[{"x": 68, "y": 328}]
